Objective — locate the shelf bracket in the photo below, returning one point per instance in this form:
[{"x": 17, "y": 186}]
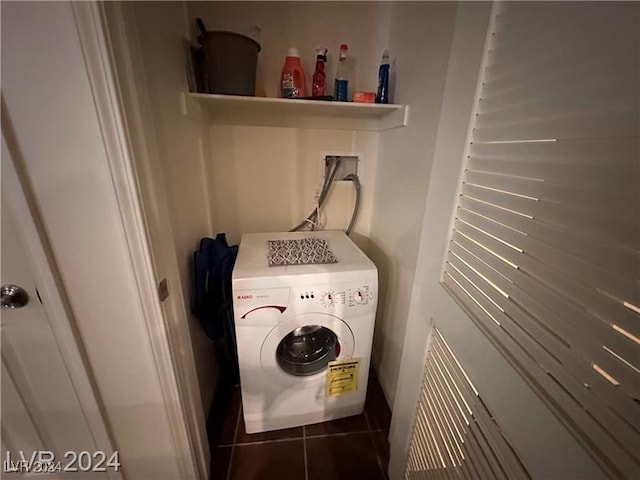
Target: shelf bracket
[
  {"x": 398, "y": 118},
  {"x": 192, "y": 109}
]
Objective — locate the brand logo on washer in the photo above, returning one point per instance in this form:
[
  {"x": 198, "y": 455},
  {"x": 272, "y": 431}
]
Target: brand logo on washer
[{"x": 244, "y": 297}]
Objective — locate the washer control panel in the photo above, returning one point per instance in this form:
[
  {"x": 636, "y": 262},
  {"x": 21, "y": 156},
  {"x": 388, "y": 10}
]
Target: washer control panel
[{"x": 328, "y": 298}]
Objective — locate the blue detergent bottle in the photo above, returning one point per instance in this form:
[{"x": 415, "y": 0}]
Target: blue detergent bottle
[{"x": 383, "y": 79}]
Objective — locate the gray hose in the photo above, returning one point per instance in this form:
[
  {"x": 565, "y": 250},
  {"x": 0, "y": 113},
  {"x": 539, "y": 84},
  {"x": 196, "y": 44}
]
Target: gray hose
[
  {"x": 328, "y": 180},
  {"x": 356, "y": 183}
]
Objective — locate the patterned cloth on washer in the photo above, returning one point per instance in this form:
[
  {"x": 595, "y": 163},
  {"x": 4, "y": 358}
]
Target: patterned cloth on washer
[{"x": 302, "y": 251}]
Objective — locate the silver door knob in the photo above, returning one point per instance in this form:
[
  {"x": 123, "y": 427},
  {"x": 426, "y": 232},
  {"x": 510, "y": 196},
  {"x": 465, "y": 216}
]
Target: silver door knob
[{"x": 13, "y": 296}]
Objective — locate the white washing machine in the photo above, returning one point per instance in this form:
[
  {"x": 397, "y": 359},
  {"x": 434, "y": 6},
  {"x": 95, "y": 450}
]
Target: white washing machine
[{"x": 304, "y": 332}]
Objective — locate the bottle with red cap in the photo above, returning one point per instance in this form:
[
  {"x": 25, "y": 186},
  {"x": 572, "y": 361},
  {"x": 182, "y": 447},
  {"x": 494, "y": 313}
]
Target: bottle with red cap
[{"x": 341, "y": 85}]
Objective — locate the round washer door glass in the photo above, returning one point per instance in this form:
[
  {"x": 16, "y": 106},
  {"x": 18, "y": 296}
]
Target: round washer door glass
[{"x": 307, "y": 350}]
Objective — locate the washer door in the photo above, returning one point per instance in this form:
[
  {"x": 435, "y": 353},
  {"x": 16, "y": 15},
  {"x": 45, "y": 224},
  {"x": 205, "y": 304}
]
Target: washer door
[
  {"x": 307, "y": 350},
  {"x": 301, "y": 348}
]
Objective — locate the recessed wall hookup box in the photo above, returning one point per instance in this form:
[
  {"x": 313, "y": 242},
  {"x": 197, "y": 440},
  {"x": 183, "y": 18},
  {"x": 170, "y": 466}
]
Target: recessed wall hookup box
[{"x": 348, "y": 165}]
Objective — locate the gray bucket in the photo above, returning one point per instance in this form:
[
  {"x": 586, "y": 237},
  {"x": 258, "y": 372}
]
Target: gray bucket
[{"x": 230, "y": 64}]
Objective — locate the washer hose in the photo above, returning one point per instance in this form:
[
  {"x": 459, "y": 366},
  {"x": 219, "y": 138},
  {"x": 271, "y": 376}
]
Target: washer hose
[
  {"x": 328, "y": 180},
  {"x": 312, "y": 217},
  {"x": 356, "y": 183}
]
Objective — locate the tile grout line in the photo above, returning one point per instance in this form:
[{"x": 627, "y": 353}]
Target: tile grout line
[
  {"x": 339, "y": 434},
  {"x": 366, "y": 419},
  {"x": 235, "y": 437},
  {"x": 375, "y": 446},
  {"x": 378, "y": 459},
  {"x": 377, "y": 450},
  {"x": 263, "y": 442},
  {"x": 289, "y": 439},
  {"x": 304, "y": 447}
]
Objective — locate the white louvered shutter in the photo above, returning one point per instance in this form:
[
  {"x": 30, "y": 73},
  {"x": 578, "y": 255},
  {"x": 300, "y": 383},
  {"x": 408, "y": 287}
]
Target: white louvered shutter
[
  {"x": 455, "y": 435},
  {"x": 545, "y": 246}
]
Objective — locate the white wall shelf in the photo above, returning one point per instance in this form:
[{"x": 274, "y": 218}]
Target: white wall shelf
[{"x": 281, "y": 112}]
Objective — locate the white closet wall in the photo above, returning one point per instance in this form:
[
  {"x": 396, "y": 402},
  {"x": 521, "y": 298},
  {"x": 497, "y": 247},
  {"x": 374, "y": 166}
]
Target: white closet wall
[
  {"x": 420, "y": 39},
  {"x": 171, "y": 163}
]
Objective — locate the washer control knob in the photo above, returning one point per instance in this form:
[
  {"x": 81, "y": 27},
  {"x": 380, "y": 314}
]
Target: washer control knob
[
  {"x": 328, "y": 299},
  {"x": 361, "y": 296}
]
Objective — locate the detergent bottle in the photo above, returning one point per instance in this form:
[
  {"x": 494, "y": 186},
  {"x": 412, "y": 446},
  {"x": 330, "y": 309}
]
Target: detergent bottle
[
  {"x": 383, "y": 79},
  {"x": 292, "y": 81},
  {"x": 341, "y": 85}
]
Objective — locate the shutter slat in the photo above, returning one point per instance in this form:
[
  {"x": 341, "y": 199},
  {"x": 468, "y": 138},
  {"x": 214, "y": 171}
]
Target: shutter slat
[
  {"x": 455, "y": 435},
  {"x": 519, "y": 28},
  {"x": 436, "y": 419},
  {"x": 617, "y": 445},
  {"x": 484, "y": 423},
  {"x": 532, "y": 329},
  {"x": 492, "y": 463},
  {"x": 434, "y": 382},
  {"x": 610, "y": 227},
  {"x": 602, "y": 164},
  {"x": 574, "y": 321},
  {"x": 563, "y": 256},
  {"x": 574, "y": 123},
  {"x": 501, "y": 100},
  {"x": 439, "y": 451},
  {"x": 441, "y": 405},
  {"x": 556, "y": 337},
  {"x": 596, "y": 201},
  {"x": 452, "y": 440},
  {"x": 579, "y": 280},
  {"x": 618, "y": 261},
  {"x": 439, "y": 430},
  {"x": 426, "y": 445},
  {"x": 559, "y": 94},
  {"x": 471, "y": 459},
  {"x": 473, "y": 449},
  {"x": 608, "y": 314},
  {"x": 519, "y": 327},
  {"x": 453, "y": 416},
  {"x": 584, "y": 270}
]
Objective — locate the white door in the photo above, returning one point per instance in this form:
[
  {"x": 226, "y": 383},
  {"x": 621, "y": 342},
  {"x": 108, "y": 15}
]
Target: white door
[{"x": 48, "y": 407}]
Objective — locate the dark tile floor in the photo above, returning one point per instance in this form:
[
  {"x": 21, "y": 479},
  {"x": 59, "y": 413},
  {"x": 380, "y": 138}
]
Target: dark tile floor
[{"x": 347, "y": 448}]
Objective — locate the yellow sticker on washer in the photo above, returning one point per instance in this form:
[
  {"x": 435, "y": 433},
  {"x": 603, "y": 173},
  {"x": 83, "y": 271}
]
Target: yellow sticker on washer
[{"x": 342, "y": 376}]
